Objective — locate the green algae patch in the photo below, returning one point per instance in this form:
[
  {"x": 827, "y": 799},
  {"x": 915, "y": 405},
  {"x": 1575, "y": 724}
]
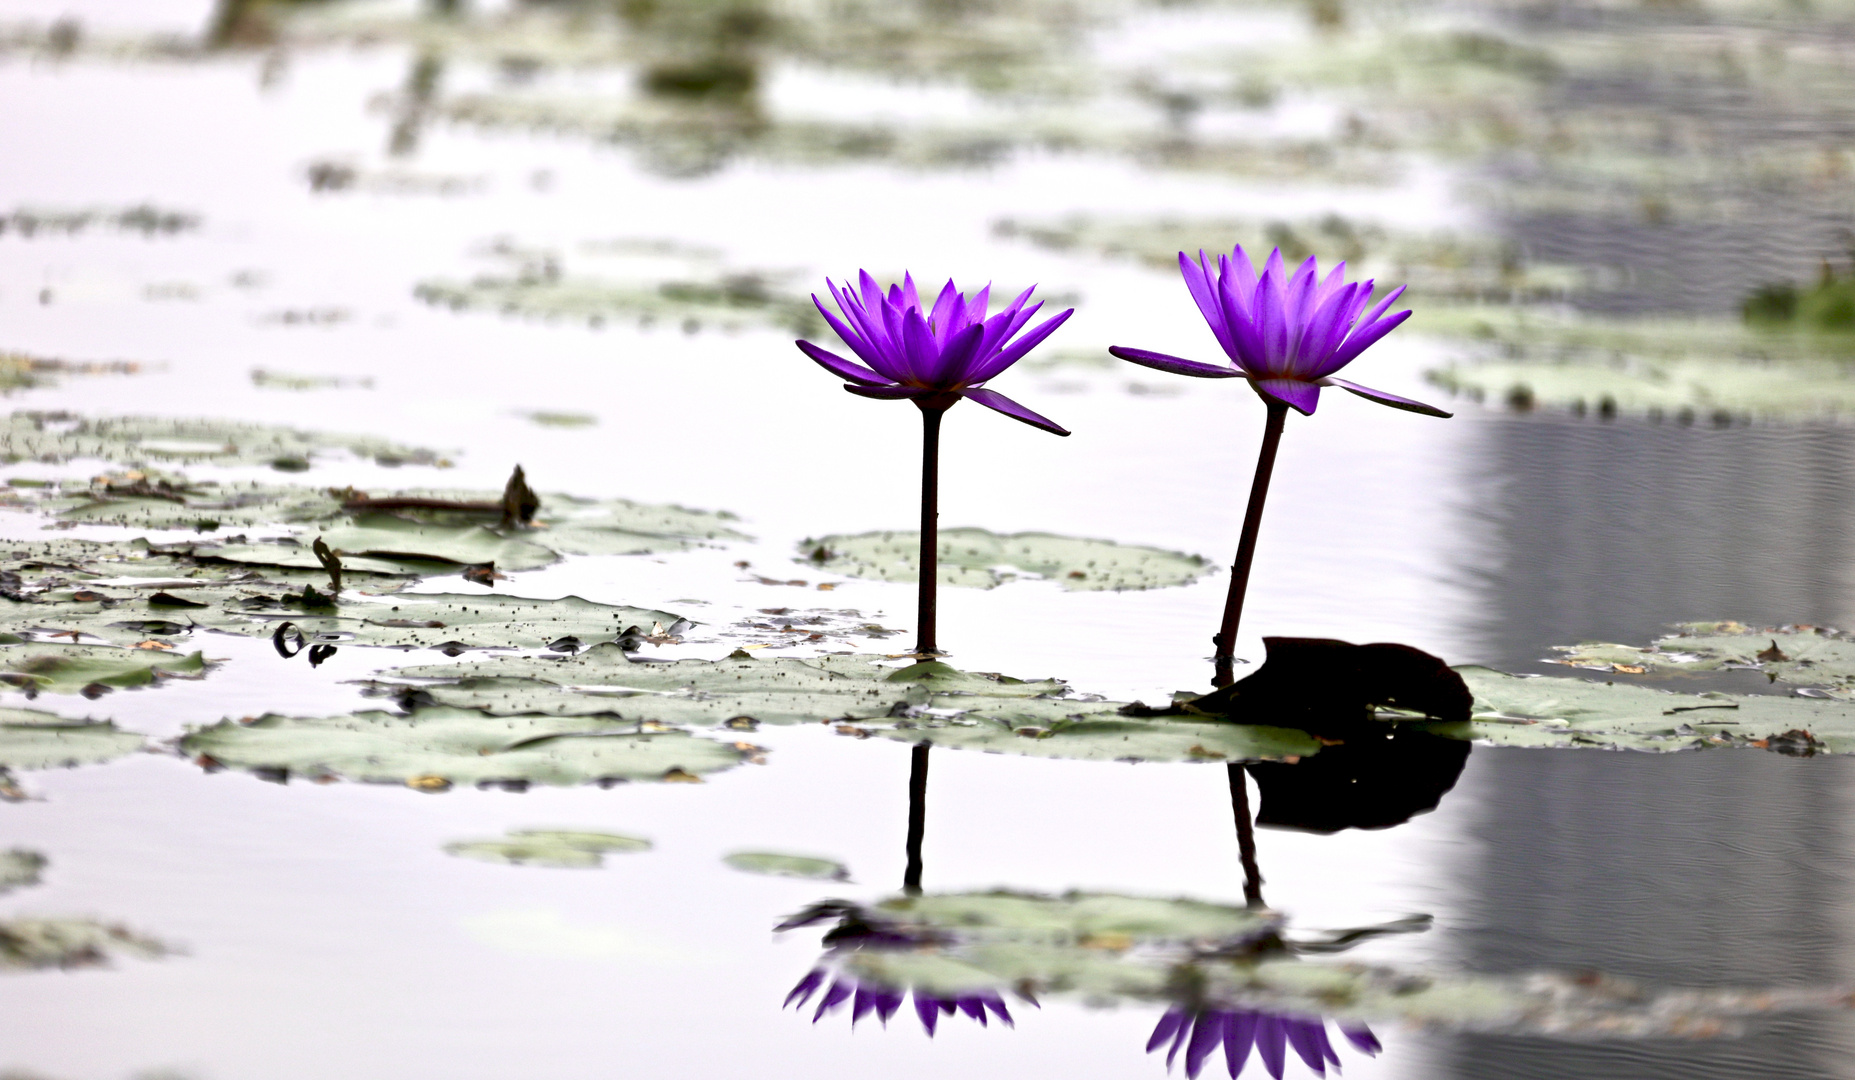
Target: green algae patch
[
  {"x": 774, "y": 864},
  {"x": 978, "y": 559},
  {"x": 436, "y": 748},
  {"x": 562, "y": 848}
]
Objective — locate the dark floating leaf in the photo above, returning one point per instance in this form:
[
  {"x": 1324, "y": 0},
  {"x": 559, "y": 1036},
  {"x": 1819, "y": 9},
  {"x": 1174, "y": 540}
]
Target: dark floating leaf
[{"x": 1334, "y": 688}]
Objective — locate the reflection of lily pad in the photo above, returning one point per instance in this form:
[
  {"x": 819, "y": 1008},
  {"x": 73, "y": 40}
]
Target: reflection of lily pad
[
  {"x": 773, "y": 864},
  {"x": 71, "y": 669},
  {"x": 19, "y": 868},
  {"x": 435, "y": 748},
  {"x": 39, "y": 436},
  {"x": 38, "y": 740},
  {"x": 37, "y": 944},
  {"x": 548, "y": 847},
  {"x": 979, "y": 559},
  {"x": 1077, "y": 918},
  {"x": 1809, "y": 656},
  {"x": 1513, "y": 710}
]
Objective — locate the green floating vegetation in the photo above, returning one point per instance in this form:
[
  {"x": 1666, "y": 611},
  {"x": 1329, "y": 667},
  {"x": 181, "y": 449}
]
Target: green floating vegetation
[
  {"x": 41, "y": 944},
  {"x": 144, "y": 218},
  {"x": 1096, "y": 731},
  {"x": 549, "y": 847},
  {"x": 30, "y": 739},
  {"x": 20, "y": 371},
  {"x": 1698, "y": 370},
  {"x": 773, "y": 864},
  {"x": 435, "y": 748},
  {"x": 19, "y": 868},
  {"x": 45, "y": 668},
  {"x": 1542, "y": 711},
  {"x": 1434, "y": 266},
  {"x": 143, "y": 441},
  {"x": 978, "y": 559},
  {"x": 1811, "y": 656}
]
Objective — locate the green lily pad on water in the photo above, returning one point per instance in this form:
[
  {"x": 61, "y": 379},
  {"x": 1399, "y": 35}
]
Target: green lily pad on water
[
  {"x": 773, "y": 864},
  {"x": 975, "y": 558},
  {"x": 57, "y": 437},
  {"x": 435, "y": 748},
  {"x": 1095, "y": 731},
  {"x": 1542, "y": 711},
  {"x": 389, "y": 543},
  {"x": 19, "y": 868},
  {"x": 1800, "y": 655},
  {"x": 72, "y": 669},
  {"x": 549, "y": 847},
  {"x": 42, "y": 944},
  {"x": 30, "y": 739}
]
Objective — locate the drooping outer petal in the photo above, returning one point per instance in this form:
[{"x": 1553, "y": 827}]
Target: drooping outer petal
[
  {"x": 1174, "y": 364},
  {"x": 1298, "y": 395},
  {"x": 1383, "y": 398},
  {"x": 842, "y": 368},
  {"x": 992, "y": 399}
]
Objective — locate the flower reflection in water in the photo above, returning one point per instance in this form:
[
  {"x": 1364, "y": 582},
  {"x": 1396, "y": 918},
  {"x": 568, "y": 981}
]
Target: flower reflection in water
[
  {"x": 1200, "y": 1033},
  {"x": 885, "y": 1001}
]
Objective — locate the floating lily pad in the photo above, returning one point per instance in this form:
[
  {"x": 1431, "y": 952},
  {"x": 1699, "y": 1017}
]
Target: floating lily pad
[
  {"x": 71, "y": 669},
  {"x": 19, "y": 868},
  {"x": 549, "y": 847},
  {"x": 56, "y": 437},
  {"x": 978, "y": 559},
  {"x": 144, "y": 218},
  {"x": 1540, "y": 711},
  {"x": 435, "y": 748},
  {"x": 1094, "y": 731},
  {"x": 773, "y": 864},
  {"x": 1807, "y": 656},
  {"x": 37, "y": 740},
  {"x": 38, "y": 944}
]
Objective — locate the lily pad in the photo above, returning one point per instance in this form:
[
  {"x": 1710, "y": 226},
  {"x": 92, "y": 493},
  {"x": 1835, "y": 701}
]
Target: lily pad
[
  {"x": 773, "y": 864},
  {"x": 1800, "y": 655},
  {"x": 19, "y": 868},
  {"x": 39, "y": 944},
  {"x": 434, "y": 748},
  {"x": 1095, "y": 731},
  {"x": 37, "y": 740},
  {"x": 389, "y": 543},
  {"x": 73, "y": 669},
  {"x": 549, "y": 847},
  {"x": 1542, "y": 711},
  {"x": 58, "y": 437},
  {"x": 975, "y": 558}
]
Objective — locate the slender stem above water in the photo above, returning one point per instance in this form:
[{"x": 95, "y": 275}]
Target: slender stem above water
[
  {"x": 925, "y": 609},
  {"x": 1246, "y": 837},
  {"x": 917, "y": 817},
  {"x": 1226, "y": 639}
]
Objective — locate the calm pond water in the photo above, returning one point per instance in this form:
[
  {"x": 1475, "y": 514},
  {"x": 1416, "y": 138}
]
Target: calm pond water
[{"x": 335, "y": 175}]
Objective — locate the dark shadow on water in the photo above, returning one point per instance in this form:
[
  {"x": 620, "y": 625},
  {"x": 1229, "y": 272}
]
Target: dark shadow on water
[{"x": 1371, "y": 781}]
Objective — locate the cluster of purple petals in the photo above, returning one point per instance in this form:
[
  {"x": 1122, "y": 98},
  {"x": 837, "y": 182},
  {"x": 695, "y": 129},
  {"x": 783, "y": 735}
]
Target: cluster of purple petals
[
  {"x": 1201, "y": 1033},
  {"x": 885, "y": 1001},
  {"x": 916, "y": 351},
  {"x": 1288, "y": 335}
]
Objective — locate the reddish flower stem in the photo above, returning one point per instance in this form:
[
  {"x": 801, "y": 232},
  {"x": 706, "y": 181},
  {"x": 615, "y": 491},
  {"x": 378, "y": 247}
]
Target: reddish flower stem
[
  {"x": 925, "y": 608},
  {"x": 1226, "y": 639},
  {"x": 1246, "y": 836}
]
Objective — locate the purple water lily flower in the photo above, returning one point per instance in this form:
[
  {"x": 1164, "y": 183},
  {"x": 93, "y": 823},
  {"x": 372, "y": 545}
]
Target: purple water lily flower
[
  {"x": 1286, "y": 335},
  {"x": 1239, "y": 1031},
  {"x": 933, "y": 356},
  {"x": 886, "y": 1001}
]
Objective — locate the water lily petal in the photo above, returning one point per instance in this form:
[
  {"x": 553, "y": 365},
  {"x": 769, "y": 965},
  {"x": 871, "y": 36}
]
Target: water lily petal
[
  {"x": 831, "y": 1000},
  {"x": 918, "y": 347},
  {"x": 947, "y": 306},
  {"x": 1383, "y": 398},
  {"x": 997, "y": 1005},
  {"x": 1174, "y": 364},
  {"x": 928, "y": 1010},
  {"x": 1298, "y": 395},
  {"x": 1167, "y": 1027},
  {"x": 1327, "y": 327},
  {"x": 806, "y": 988},
  {"x": 1204, "y": 293},
  {"x": 1302, "y": 1040},
  {"x": 975, "y": 308},
  {"x": 1271, "y": 1042},
  {"x": 992, "y": 399},
  {"x": 842, "y": 368},
  {"x": 958, "y": 359},
  {"x": 1362, "y": 1037},
  {"x": 1207, "y": 1035},
  {"x": 1360, "y": 340},
  {"x": 862, "y": 1006},
  {"x": 1239, "y": 1036},
  {"x": 886, "y": 393},
  {"x": 1014, "y": 352}
]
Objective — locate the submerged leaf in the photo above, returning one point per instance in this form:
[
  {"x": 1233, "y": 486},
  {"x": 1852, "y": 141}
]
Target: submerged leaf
[{"x": 979, "y": 559}]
